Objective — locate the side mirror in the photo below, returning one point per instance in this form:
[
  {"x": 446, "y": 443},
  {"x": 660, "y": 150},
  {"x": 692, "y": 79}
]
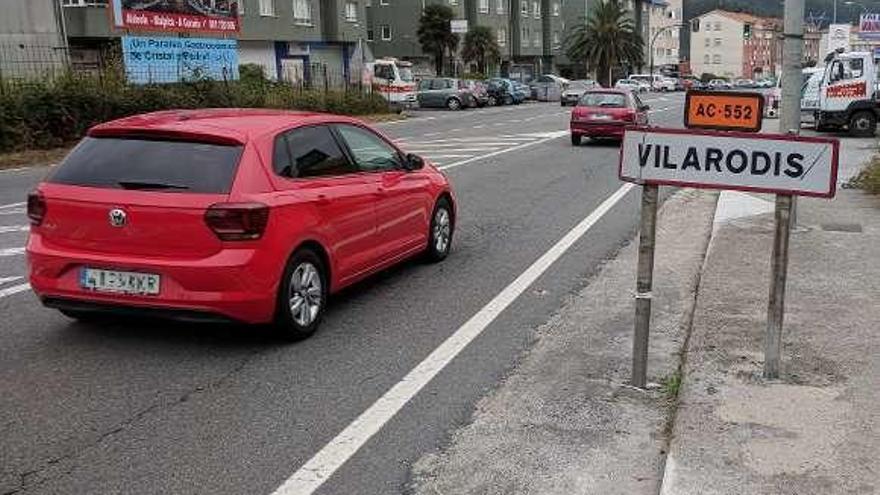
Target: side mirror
[
  {"x": 645, "y": 108},
  {"x": 413, "y": 162}
]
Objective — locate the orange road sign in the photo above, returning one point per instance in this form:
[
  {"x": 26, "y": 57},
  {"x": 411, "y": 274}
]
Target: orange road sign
[{"x": 724, "y": 110}]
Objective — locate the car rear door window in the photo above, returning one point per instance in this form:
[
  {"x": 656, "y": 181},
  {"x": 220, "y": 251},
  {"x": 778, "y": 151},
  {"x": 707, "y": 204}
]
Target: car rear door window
[
  {"x": 371, "y": 153},
  {"x": 160, "y": 165},
  {"x": 310, "y": 152}
]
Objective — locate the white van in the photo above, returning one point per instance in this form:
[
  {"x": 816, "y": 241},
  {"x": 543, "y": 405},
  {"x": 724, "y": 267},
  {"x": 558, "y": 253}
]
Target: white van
[{"x": 654, "y": 81}]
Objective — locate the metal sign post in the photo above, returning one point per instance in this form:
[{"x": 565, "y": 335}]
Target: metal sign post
[{"x": 644, "y": 283}]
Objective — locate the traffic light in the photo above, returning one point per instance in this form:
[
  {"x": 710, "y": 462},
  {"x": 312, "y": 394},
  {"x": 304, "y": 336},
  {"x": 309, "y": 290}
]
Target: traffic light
[{"x": 747, "y": 31}]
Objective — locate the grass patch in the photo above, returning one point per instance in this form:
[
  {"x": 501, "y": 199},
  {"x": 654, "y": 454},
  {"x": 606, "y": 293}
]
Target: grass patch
[
  {"x": 672, "y": 385},
  {"x": 869, "y": 178}
]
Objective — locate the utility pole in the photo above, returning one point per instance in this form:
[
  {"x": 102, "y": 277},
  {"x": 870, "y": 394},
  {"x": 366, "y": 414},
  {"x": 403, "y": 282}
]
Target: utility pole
[{"x": 789, "y": 122}]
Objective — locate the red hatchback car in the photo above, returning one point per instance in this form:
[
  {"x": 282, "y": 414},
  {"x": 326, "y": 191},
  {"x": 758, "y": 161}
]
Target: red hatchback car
[
  {"x": 253, "y": 216},
  {"x": 604, "y": 113}
]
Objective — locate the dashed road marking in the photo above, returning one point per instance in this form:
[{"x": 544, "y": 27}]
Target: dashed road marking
[
  {"x": 11, "y": 252},
  {"x": 5, "y": 229},
  {"x": 15, "y": 289}
]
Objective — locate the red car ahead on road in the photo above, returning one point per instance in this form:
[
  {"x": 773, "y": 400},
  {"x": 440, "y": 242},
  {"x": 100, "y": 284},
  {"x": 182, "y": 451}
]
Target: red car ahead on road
[
  {"x": 604, "y": 113},
  {"x": 253, "y": 216}
]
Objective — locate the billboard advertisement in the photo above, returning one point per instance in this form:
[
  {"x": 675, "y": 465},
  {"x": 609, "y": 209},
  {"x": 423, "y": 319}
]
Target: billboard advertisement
[
  {"x": 150, "y": 60},
  {"x": 219, "y": 16},
  {"x": 869, "y": 26}
]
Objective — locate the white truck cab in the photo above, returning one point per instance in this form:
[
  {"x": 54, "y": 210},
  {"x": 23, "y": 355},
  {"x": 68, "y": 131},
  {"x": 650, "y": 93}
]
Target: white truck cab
[
  {"x": 848, "y": 94},
  {"x": 393, "y": 79}
]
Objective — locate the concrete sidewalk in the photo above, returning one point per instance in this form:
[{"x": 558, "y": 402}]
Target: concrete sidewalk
[{"x": 817, "y": 429}]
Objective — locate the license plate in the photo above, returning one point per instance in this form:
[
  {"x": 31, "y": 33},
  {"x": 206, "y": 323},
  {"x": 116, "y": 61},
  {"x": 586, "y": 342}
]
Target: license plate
[
  {"x": 600, "y": 116},
  {"x": 119, "y": 282}
]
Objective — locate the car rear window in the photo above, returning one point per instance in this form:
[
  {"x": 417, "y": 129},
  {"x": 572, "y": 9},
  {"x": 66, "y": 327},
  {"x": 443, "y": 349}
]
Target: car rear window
[
  {"x": 150, "y": 164},
  {"x": 610, "y": 100}
]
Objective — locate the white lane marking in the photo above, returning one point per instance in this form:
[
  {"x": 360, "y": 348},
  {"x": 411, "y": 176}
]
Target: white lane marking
[
  {"x": 4, "y": 229},
  {"x": 499, "y": 152},
  {"x": 317, "y": 470},
  {"x": 15, "y": 289},
  {"x": 448, "y": 156},
  {"x": 11, "y": 252},
  {"x": 4, "y": 280},
  {"x": 12, "y": 211},
  {"x": 419, "y": 149},
  {"x": 12, "y": 205}
]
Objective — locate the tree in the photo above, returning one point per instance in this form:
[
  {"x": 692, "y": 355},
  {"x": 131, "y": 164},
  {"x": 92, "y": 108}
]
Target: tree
[
  {"x": 435, "y": 33},
  {"x": 481, "y": 47},
  {"x": 606, "y": 40}
]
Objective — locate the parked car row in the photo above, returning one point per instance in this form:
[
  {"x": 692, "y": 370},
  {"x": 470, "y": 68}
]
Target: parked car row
[{"x": 458, "y": 94}]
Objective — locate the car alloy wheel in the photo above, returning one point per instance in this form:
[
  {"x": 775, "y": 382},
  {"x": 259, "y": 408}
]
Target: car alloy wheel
[
  {"x": 453, "y": 104},
  {"x": 492, "y": 101},
  {"x": 440, "y": 235},
  {"x": 302, "y": 295},
  {"x": 305, "y": 294}
]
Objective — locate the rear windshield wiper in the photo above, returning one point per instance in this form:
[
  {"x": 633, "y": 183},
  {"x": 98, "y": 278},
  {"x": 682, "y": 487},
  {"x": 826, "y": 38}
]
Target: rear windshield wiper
[{"x": 138, "y": 184}]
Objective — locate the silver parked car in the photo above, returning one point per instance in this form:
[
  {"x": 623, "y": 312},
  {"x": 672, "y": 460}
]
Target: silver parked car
[{"x": 576, "y": 89}]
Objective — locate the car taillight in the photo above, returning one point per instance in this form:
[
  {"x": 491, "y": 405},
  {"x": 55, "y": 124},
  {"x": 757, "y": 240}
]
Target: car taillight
[
  {"x": 36, "y": 208},
  {"x": 238, "y": 221},
  {"x": 629, "y": 116}
]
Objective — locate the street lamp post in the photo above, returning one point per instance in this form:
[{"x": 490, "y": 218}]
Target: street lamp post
[{"x": 654, "y": 39}]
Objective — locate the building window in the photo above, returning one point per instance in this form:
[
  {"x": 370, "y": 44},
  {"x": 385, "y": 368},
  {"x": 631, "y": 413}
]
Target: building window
[
  {"x": 536, "y": 9},
  {"x": 502, "y": 36},
  {"x": 499, "y": 6},
  {"x": 537, "y": 42},
  {"x": 556, "y": 9},
  {"x": 524, "y": 6},
  {"x": 706, "y": 58},
  {"x": 716, "y": 59},
  {"x": 302, "y": 12},
  {"x": 351, "y": 11},
  {"x": 383, "y": 2},
  {"x": 267, "y": 8},
  {"x": 557, "y": 42},
  {"x": 453, "y": 2},
  {"x": 524, "y": 36},
  {"x": 717, "y": 41},
  {"x": 368, "y": 3},
  {"x": 717, "y": 26},
  {"x": 370, "y": 36},
  {"x": 484, "y": 6},
  {"x": 386, "y": 32},
  {"x": 708, "y": 42}
]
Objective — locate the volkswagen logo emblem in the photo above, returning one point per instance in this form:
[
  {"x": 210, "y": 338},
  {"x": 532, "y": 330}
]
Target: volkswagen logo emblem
[{"x": 117, "y": 217}]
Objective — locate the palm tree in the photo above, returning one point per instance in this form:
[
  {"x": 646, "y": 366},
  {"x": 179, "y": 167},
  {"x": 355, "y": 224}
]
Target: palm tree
[
  {"x": 606, "y": 40},
  {"x": 435, "y": 33},
  {"x": 480, "y": 46}
]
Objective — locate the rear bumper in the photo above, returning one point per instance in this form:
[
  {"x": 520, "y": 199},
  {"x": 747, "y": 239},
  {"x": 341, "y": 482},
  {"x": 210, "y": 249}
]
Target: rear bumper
[
  {"x": 234, "y": 284},
  {"x": 612, "y": 130}
]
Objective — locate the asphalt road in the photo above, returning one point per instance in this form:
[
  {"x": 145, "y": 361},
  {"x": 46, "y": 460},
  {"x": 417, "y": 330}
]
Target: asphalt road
[{"x": 146, "y": 407}]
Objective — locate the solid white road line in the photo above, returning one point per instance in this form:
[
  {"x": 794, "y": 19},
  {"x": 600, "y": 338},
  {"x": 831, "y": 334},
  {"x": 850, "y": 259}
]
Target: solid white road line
[
  {"x": 15, "y": 289},
  {"x": 14, "y": 228},
  {"x": 11, "y": 252},
  {"x": 4, "y": 280},
  {"x": 419, "y": 149},
  {"x": 500, "y": 152},
  {"x": 323, "y": 464},
  {"x": 12, "y": 205}
]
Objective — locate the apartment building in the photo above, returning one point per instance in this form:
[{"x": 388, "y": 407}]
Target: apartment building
[
  {"x": 735, "y": 44},
  {"x": 290, "y": 39},
  {"x": 529, "y": 32},
  {"x": 663, "y": 35}
]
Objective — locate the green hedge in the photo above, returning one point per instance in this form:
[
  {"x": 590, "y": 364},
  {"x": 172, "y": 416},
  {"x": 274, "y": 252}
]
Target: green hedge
[{"x": 52, "y": 113}]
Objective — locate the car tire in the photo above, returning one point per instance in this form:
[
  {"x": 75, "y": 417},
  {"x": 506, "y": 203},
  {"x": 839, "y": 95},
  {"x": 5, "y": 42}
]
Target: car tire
[
  {"x": 575, "y": 140},
  {"x": 508, "y": 100},
  {"x": 492, "y": 101},
  {"x": 302, "y": 295},
  {"x": 863, "y": 124},
  {"x": 440, "y": 232},
  {"x": 453, "y": 104}
]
